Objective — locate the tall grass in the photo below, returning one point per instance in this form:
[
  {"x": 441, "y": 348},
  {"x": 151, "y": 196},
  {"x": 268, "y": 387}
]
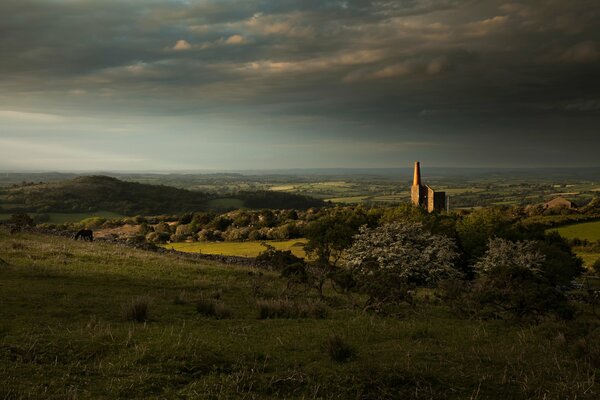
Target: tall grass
[
  {"x": 285, "y": 308},
  {"x": 136, "y": 309}
]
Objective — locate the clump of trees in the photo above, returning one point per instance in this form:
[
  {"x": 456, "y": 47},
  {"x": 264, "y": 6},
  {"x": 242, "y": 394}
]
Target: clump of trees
[
  {"x": 388, "y": 262},
  {"x": 484, "y": 263},
  {"x": 511, "y": 282}
]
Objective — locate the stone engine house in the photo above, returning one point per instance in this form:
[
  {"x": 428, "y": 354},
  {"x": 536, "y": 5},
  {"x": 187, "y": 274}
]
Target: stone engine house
[{"x": 424, "y": 196}]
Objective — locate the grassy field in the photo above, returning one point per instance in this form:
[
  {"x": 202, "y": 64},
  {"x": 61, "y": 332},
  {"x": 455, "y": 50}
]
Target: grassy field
[
  {"x": 60, "y": 218},
  {"x": 584, "y": 230},
  {"x": 351, "y": 199},
  {"x": 589, "y": 258},
  {"x": 242, "y": 249},
  {"x": 65, "y": 337}
]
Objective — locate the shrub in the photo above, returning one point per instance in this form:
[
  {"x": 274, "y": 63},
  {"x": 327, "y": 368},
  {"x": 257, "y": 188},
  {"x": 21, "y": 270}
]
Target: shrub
[
  {"x": 136, "y": 309},
  {"x": 279, "y": 260},
  {"x": 21, "y": 219},
  {"x": 213, "y": 308},
  {"x": 510, "y": 283},
  {"x": 285, "y": 308},
  {"x": 388, "y": 261},
  {"x": 338, "y": 349},
  {"x": 596, "y": 267}
]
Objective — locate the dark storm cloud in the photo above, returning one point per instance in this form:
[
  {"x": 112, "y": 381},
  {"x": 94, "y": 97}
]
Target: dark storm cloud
[{"x": 445, "y": 71}]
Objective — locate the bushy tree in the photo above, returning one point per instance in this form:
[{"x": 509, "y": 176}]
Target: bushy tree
[
  {"x": 511, "y": 282},
  {"x": 21, "y": 219},
  {"x": 501, "y": 253},
  {"x": 561, "y": 265},
  {"x": 389, "y": 260},
  {"x": 327, "y": 238}
]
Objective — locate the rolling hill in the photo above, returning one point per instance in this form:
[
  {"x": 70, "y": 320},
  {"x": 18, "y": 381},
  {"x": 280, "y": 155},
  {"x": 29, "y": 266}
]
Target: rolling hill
[{"x": 95, "y": 193}]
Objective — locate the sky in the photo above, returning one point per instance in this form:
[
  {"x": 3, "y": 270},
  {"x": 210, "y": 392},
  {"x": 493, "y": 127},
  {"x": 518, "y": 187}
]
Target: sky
[{"x": 136, "y": 85}]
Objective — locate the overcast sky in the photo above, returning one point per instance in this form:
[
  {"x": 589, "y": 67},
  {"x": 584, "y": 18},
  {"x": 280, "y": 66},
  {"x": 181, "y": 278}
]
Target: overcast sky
[{"x": 168, "y": 85}]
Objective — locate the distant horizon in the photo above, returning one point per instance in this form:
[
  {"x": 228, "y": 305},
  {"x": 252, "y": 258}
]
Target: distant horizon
[{"x": 300, "y": 169}]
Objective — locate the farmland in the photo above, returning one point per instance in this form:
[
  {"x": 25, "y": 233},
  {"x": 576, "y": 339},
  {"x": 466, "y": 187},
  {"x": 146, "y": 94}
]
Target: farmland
[
  {"x": 66, "y": 337},
  {"x": 241, "y": 249},
  {"x": 466, "y": 188},
  {"x": 589, "y": 231},
  {"x": 585, "y": 230}
]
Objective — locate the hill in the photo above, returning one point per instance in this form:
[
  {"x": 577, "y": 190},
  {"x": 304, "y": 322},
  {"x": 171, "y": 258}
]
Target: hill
[
  {"x": 65, "y": 336},
  {"x": 95, "y": 193}
]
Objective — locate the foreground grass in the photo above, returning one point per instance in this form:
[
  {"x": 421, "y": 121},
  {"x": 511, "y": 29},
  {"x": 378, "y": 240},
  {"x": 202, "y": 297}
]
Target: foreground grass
[
  {"x": 242, "y": 249},
  {"x": 63, "y": 335}
]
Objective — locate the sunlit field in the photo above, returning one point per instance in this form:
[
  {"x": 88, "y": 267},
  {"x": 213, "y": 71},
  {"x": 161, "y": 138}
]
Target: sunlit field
[
  {"x": 584, "y": 230},
  {"x": 242, "y": 249}
]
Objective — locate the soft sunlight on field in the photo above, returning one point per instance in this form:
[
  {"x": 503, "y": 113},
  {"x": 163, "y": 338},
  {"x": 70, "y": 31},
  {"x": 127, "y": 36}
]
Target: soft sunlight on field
[
  {"x": 242, "y": 249},
  {"x": 584, "y": 230}
]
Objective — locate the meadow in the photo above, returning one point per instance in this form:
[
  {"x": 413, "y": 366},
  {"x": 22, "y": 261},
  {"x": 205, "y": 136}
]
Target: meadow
[
  {"x": 583, "y": 230},
  {"x": 242, "y": 249},
  {"x": 67, "y": 336}
]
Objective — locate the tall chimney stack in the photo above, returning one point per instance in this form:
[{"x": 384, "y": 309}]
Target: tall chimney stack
[{"x": 417, "y": 176}]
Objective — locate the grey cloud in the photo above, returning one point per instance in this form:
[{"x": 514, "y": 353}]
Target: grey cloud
[{"x": 380, "y": 68}]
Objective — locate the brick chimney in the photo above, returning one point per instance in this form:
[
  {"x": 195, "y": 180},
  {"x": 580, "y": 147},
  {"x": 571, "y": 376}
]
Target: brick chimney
[{"x": 417, "y": 176}]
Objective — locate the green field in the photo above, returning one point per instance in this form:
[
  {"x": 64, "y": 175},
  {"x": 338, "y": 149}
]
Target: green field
[
  {"x": 583, "y": 230},
  {"x": 61, "y": 218},
  {"x": 242, "y": 249},
  {"x": 64, "y": 337},
  {"x": 589, "y": 258},
  {"x": 351, "y": 199}
]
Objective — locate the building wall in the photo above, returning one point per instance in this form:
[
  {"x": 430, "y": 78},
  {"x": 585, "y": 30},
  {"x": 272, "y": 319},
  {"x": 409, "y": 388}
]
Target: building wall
[
  {"x": 436, "y": 201},
  {"x": 418, "y": 195},
  {"x": 559, "y": 202}
]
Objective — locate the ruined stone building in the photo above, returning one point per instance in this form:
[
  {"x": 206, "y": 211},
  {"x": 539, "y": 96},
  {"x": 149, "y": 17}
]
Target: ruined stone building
[
  {"x": 424, "y": 196},
  {"x": 560, "y": 202}
]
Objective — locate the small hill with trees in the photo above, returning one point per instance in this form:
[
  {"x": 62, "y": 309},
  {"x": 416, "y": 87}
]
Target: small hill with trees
[{"x": 95, "y": 193}]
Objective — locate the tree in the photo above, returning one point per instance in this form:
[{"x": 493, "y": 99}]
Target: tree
[
  {"x": 561, "y": 265},
  {"x": 21, "y": 220},
  {"x": 501, "y": 253},
  {"x": 390, "y": 260},
  {"x": 476, "y": 228},
  {"x": 328, "y": 237},
  {"x": 511, "y": 282}
]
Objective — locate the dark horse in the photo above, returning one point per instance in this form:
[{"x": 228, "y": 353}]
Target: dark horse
[{"x": 84, "y": 234}]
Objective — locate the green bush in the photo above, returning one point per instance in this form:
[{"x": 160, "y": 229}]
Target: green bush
[{"x": 512, "y": 283}]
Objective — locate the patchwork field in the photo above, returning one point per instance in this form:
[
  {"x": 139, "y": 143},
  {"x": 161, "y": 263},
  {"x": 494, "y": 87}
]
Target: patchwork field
[
  {"x": 242, "y": 249},
  {"x": 68, "y": 336}
]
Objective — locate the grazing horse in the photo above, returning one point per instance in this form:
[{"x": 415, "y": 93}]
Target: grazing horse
[{"x": 84, "y": 234}]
